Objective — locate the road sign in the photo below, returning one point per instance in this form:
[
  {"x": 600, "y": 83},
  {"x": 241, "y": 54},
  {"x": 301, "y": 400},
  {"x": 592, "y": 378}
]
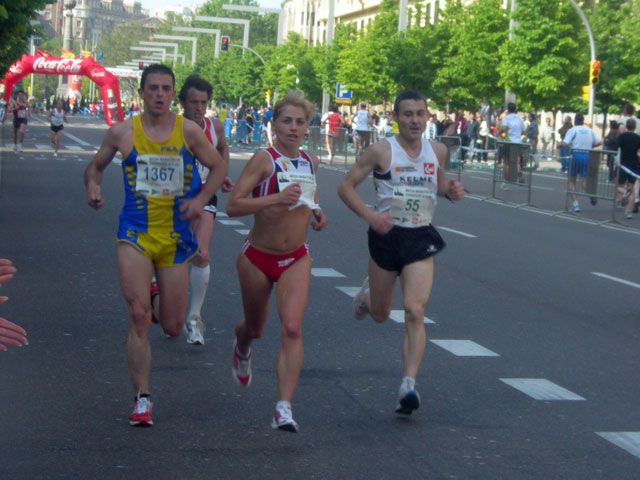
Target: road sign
[{"x": 343, "y": 95}]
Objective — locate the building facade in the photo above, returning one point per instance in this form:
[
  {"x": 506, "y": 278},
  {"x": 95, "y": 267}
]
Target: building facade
[
  {"x": 92, "y": 17},
  {"x": 309, "y": 18}
]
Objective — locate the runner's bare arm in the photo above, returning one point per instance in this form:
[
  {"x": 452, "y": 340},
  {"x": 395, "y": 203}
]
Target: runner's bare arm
[
  {"x": 223, "y": 150},
  {"x": 452, "y": 189},
  {"x": 319, "y": 218},
  {"x": 368, "y": 162},
  {"x": 259, "y": 168},
  {"x": 100, "y": 161}
]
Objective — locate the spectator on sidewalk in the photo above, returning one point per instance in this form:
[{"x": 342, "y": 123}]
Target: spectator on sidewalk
[
  {"x": 629, "y": 144},
  {"x": 563, "y": 151}
]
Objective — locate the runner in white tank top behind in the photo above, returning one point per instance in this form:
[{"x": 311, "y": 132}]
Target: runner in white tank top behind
[
  {"x": 362, "y": 126},
  {"x": 402, "y": 241},
  {"x": 194, "y": 97}
]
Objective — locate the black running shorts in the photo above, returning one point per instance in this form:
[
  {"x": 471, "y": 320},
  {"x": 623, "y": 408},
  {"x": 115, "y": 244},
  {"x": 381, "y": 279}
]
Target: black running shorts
[{"x": 403, "y": 246}]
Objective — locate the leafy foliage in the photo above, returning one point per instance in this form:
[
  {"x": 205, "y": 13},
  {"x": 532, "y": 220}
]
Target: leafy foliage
[{"x": 15, "y": 16}]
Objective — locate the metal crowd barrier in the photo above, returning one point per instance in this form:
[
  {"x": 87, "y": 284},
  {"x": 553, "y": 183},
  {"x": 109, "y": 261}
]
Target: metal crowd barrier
[
  {"x": 513, "y": 165},
  {"x": 452, "y": 161},
  {"x": 340, "y": 144},
  {"x": 315, "y": 141},
  {"x": 592, "y": 174}
]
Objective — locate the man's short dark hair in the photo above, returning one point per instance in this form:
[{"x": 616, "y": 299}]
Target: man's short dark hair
[
  {"x": 631, "y": 124},
  {"x": 157, "y": 68},
  {"x": 511, "y": 107},
  {"x": 197, "y": 82},
  {"x": 579, "y": 119},
  {"x": 407, "y": 95}
]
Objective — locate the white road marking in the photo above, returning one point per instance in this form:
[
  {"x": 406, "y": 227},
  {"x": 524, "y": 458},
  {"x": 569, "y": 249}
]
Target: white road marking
[
  {"x": 78, "y": 140},
  {"x": 480, "y": 178},
  {"x": 222, "y": 215},
  {"x": 542, "y": 188},
  {"x": 41, "y": 146},
  {"x": 231, "y": 222},
  {"x": 465, "y": 348},
  {"x": 73, "y": 147},
  {"x": 326, "y": 272},
  {"x": 616, "y": 279},
  {"x": 351, "y": 291},
  {"x": 398, "y": 317},
  {"x": 243, "y": 232},
  {"x": 629, "y": 441},
  {"x": 458, "y": 232},
  {"x": 541, "y": 389}
]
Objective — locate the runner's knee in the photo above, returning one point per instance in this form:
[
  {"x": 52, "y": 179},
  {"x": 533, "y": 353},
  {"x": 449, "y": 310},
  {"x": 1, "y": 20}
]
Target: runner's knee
[
  {"x": 414, "y": 311},
  {"x": 379, "y": 314},
  {"x": 291, "y": 329},
  {"x": 201, "y": 260}
]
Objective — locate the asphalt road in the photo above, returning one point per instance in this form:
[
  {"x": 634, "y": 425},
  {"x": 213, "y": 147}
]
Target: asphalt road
[{"x": 530, "y": 371}]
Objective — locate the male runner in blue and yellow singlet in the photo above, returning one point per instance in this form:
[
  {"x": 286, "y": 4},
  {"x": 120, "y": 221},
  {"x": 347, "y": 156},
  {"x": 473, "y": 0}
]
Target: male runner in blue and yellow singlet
[{"x": 163, "y": 194}]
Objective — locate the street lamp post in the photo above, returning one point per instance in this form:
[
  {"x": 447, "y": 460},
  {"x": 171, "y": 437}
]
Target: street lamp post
[
  {"x": 68, "y": 5},
  {"x": 163, "y": 44},
  {"x": 252, "y": 9},
  {"x": 193, "y": 40},
  {"x": 235, "y": 21},
  {"x": 214, "y": 31},
  {"x": 151, "y": 49},
  {"x": 592, "y": 47}
]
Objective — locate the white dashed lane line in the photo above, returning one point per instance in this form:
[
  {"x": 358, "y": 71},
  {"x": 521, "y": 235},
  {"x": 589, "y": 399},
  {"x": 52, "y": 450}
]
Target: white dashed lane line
[
  {"x": 457, "y": 232},
  {"x": 465, "y": 348},
  {"x": 398, "y": 317},
  {"x": 326, "y": 272},
  {"x": 231, "y": 222},
  {"x": 541, "y": 389},
  {"x": 243, "y": 231},
  {"x": 351, "y": 291},
  {"x": 629, "y": 441},
  {"x": 616, "y": 279}
]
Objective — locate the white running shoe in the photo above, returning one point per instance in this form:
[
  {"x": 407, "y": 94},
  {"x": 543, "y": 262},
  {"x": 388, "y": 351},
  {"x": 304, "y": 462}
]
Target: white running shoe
[
  {"x": 360, "y": 310},
  {"x": 283, "y": 419},
  {"x": 576, "y": 207},
  {"x": 195, "y": 330},
  {"x": 241, "y": 366}
]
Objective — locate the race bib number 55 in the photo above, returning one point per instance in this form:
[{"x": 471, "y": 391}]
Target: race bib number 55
[
  {"x": 412, "y": 206},
  {"x": 160, "y": 175}
]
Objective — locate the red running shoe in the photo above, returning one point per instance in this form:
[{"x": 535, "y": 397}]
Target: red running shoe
[
  {"x": 141, "y": 415},
  {"x": 241, "y": 367}
]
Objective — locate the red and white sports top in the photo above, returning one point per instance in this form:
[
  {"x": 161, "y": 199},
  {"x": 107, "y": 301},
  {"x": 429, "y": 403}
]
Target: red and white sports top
[
  {"x": 210, "y": 133},
  {"x": 287, "y": 170}
]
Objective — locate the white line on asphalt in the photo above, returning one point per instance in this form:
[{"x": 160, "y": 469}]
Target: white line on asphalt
[
  {"x": 243, "y": 232},
  {"x": 465, "y": 348},
  {"x": 629, "y": 441},
  {"x": 326, "y": 272},
  {"x": 78, "y": 140},
  {"x": 616, "y": 279},
  {"x": 72, "y": 147},
  {"x": 398, "y": 317},
  {"x": 41, "y": 146},
  {"x": 351, "y": 291},
  {"x": 464, "y": 234},
  {"x": 231, "y": 222},
  {"x": 221, "y": 215},
  {"x": 541, "y": 389},
  {"x": 480, "y": 178},
  {"x": 542, "y": 188}
]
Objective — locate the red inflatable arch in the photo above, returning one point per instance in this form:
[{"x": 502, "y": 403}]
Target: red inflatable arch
[{"x": 88, "y": 67}]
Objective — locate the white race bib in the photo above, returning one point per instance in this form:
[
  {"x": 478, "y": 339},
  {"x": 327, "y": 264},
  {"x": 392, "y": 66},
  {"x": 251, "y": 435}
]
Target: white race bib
[
  {"x": 160, "y": 175},
  {"x": 22, "y": 113},
  {"x": 412, "y": 206},
  {"x": 307, "y": 184}
]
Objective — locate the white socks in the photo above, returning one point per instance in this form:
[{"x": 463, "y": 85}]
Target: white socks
[
  {"x": 198, "y": 281},
  {"x": 407, "y": 384}
]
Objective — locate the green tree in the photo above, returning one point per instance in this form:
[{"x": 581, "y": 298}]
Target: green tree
[
  {"x": 364, "y": 64},
  {"x": 470, "y": 60},
  {"x": 116, "y": 44},
  {"x": 545, "y": 62},
  {"x": 15, "y": 17}
]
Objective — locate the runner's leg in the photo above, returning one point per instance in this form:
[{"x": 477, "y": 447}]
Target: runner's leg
[
  {"x": 416, "y": 281},
  {"x": 173, "y": 284},
  {"x": 292, "y": 291},
  {"x": 380, "y": 295},
  {"x": 135, "y": 271}
]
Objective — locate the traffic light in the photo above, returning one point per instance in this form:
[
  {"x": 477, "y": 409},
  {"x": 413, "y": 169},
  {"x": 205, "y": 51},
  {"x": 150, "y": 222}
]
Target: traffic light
[
  {"x": 140, "y": 65},
  {"x": 586, "y": 91},
  {"x": 224, "y": 43},
  {"x": 594, "y": 71}
]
